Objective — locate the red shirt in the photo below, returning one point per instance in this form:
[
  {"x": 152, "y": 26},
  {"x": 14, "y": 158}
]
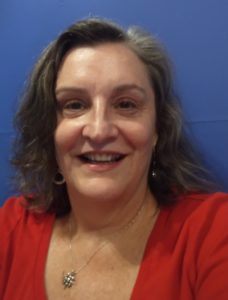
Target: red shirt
[{"x": 186, "y": 256}]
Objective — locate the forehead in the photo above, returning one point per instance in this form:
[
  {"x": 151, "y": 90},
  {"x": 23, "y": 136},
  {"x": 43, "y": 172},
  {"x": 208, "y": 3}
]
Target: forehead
[{"x": 108, "y": 62}]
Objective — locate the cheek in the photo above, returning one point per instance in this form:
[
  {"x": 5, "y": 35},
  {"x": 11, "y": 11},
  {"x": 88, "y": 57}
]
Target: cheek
[
  {"x": 66, "y": 136},
  {"x": 142, "y": 136}
]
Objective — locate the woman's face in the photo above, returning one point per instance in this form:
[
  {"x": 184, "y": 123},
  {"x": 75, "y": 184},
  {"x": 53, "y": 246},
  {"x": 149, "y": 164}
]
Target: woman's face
[{"x": 106, "y": 131}]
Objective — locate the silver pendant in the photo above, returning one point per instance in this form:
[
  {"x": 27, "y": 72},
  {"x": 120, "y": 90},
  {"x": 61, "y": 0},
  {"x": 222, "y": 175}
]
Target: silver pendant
[{"x": 69, "y": 279}]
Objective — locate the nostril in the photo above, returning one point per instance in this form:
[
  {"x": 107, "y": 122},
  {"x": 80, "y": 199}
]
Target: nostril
[{"x": 100, "y": 132}]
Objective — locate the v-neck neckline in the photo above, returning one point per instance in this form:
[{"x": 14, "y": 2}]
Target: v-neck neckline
[{"x": 42, "y": 252}]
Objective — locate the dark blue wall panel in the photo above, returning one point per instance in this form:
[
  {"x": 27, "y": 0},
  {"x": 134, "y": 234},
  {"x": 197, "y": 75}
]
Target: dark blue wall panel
[{"x": 195, "y": 33}]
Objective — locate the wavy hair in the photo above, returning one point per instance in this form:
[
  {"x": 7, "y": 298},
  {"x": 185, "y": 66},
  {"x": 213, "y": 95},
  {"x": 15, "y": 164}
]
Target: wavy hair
[{"x": 177, "y": 169}]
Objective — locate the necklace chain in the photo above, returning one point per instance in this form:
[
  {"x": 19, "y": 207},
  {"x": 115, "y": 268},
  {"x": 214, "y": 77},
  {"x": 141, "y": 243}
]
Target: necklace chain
[{"x": 69, "y": 278}]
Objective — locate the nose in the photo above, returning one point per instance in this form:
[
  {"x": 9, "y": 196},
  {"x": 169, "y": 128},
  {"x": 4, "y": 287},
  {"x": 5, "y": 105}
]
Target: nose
[{"x": 100, "y": 127}]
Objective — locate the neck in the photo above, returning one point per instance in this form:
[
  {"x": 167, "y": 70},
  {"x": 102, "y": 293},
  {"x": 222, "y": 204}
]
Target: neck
[{"x": 101, "y": 217}]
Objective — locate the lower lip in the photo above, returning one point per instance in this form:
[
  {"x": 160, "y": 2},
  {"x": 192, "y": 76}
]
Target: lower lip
[{"x": 102, "y": 167}]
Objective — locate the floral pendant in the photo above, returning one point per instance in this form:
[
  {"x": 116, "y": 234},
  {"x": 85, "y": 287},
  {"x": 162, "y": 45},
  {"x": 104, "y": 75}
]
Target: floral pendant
[{"x": 69, "y": 279}]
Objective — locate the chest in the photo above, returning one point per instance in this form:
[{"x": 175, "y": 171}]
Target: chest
[{"x": 109, "y": 274}]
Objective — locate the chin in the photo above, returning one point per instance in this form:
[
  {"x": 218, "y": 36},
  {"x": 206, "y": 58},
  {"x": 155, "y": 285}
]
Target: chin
[{"x": 100, "y": 189}]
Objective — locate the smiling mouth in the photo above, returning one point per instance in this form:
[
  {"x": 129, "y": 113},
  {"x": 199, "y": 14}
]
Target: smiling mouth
[{"x": 101, "y": 158}]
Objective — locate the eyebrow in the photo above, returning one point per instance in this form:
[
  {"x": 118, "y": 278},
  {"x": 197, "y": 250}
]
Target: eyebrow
[
  {"x": 127, "y": 87},
  {"x": 116, "y": 90},
  {"x": 69, "y": 89}
]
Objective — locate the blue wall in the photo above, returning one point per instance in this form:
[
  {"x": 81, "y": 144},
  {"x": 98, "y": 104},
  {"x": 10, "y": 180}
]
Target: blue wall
[{"x": 195, "y": 33}]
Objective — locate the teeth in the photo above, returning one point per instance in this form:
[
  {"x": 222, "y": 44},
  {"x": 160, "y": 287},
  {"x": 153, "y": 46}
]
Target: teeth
[{"x": 102, "y": 157}]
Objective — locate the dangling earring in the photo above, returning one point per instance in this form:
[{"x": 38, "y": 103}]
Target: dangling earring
[
  {"x": 153, "y": 173},
  {"x": 59, "y": 179}
]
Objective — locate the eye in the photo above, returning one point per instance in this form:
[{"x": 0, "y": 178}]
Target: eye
[
  {"x": 72, "y": 107},
  {"x": 126, "y": 104}
]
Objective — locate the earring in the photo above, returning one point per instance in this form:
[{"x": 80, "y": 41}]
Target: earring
[
  {"x": 153, "y": 173},
  {"x": 59, "y": 179}
]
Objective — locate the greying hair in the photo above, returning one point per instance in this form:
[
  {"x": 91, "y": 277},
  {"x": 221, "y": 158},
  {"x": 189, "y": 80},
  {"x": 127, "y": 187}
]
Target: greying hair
[{"x": 177, "y": 169}]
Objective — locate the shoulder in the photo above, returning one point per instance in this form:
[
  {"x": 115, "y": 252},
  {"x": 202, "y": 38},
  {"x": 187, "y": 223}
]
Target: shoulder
[
  {"x": 201, "y": 206},
  {"x": 21, "y": 229},
  {"x": 15, "y": 215},
  {"x": 12, "y": 211},
  {"x": 24, "y": 239},
  {"x": 199, "y": 219},
  {"x": 200, "y": 222},
  {"x": 204, "y": 232},
  {"x": 208, "y": 223}
]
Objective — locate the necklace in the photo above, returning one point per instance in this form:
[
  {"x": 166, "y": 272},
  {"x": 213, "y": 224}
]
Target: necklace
[{"x": 69, "y": 278}]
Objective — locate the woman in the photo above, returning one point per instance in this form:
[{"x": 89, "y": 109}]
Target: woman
[{"x": 114, "y": 204}]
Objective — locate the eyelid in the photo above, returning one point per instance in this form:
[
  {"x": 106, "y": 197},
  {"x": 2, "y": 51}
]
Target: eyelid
[
  {"x": 70, "y": 94},
  {"x": 71, "y": 102},
  {"x": 128, "y": 99},
  {"x": 65, "y": 101},
  {"x": 64, "y": 108}
]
